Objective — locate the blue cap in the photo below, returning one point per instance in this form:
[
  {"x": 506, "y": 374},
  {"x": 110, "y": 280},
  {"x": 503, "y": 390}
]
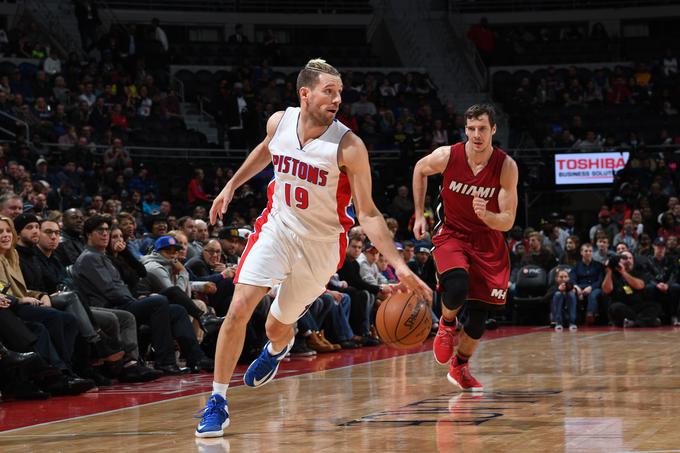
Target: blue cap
[{"x": 165, "y": 242}]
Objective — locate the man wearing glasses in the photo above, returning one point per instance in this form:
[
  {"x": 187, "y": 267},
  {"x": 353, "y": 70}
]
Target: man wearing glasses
[{"x": 624, "y": 284}]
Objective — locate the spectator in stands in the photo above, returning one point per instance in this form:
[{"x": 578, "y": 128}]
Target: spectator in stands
[
  {"x": 71, "y": 245},
  {"x": 117, "y": 324},
  {"x": 34, "y": 307},
  {"x": 625, "y": 285},
  {"x": 52, "y": 64},
  {"x": 537, "y": 254},
  {"x": 166, "y": 275},
  {"x": 233, "y": 242},
  {"x": 662, "y": 280},
  {"x": 423, "y": 266},
  {"x": 402, "y": 208},
  {"x": 238, "y": 37},
  {"x": 207, "y": 266},
  {"x": 361, "y": 292},
  {"x": 603, "y": 252},
  {"x": 11, "y": 205},
  {"x": 188, "y": 227},
  {"x": 588, "y": 275},
  {"x": 159, "y": 227},
  {"x": 563, "y": 293},
  {"x": 605, "y": 224},
  {"x": 117, "y": 157},
  {"x": 627, "y": 235},
  {"x": 571, "y": 255},
  {"x": 202, "y": 235},
  {"x": 159, "y": 34},
  {"x": 668, "y": 226},
  {"x": 483, "y": 38},
  {"x": 195, "y": 193},
  {"x": 101, "y": 283},
  {"x": 363, "y": 107}
]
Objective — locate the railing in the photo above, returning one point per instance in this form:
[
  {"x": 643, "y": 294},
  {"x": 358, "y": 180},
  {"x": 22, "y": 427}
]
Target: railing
[
  {"x": 51, "y": 23},
  {"x": 16, "y": 122},
  {"x": 247, "y": 6},
  {"x": 495, "y": 6}
]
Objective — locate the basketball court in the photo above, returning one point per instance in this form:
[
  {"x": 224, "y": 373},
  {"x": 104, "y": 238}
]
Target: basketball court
[{"x": 596, "y": 390}]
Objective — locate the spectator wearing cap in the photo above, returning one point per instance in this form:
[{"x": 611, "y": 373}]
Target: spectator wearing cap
[
  {"x": 368, "y": 269},
  {"x": 423, "y": 266},
  {"x": 11, "y": 205},
  {"x": 233, "y": 241},
  {"x": 362, "y": 293},
  {"x": 166, "y": 275},
  {"x": 159, "y": 227},
  {"x": 71, "y": 244},
  {"x": 661, "y": 280},
  {"x": 619, "y": 211},
  {"x": 604, "y": 224},
  {"x": 102, "y": 285}
]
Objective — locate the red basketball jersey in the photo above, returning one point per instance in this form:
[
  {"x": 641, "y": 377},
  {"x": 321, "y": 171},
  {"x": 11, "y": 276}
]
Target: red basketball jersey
[{"x": 459, "y": 188}]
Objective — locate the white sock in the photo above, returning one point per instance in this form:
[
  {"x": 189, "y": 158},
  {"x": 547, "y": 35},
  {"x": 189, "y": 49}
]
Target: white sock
[
  {"x": 220, "y": 389},
  {"x": 270, "y": 349}
]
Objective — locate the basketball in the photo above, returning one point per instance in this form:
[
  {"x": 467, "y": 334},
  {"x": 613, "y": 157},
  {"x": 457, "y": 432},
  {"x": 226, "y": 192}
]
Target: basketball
[{"x": 403, "y": 321}]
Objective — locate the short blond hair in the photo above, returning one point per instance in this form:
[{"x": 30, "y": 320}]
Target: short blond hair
[{"x": 309, "y": 75}]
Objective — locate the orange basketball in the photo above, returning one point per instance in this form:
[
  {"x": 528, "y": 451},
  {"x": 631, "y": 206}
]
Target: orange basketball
[{"x": 403, "y": 321}]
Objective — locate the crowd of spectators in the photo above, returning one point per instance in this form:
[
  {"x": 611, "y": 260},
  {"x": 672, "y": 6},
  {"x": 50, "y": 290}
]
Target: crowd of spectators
[{"x": 623, "y": 269}]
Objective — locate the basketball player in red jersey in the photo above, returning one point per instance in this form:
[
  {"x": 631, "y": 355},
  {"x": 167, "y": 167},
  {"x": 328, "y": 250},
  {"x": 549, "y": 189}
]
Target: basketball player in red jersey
[{"x": 479, "y": 200}]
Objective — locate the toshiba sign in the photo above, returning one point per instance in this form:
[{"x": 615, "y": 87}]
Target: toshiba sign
[{"x": 588, "y": 168}]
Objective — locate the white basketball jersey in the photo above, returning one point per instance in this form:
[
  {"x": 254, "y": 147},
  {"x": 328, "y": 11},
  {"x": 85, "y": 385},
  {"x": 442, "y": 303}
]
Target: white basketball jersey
[{"x": 310, "y": 195}]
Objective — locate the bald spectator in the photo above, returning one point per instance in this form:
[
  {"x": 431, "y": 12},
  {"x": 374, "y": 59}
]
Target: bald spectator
[{"x": 11, "y": 205}]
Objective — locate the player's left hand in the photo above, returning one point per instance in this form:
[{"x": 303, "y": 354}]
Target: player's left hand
[
  {"x": 409, "y": 280},
  {"x": 479, "y": 206}
]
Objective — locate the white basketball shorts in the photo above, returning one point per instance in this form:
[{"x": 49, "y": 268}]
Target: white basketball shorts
[{"x": 274, "y": 254}]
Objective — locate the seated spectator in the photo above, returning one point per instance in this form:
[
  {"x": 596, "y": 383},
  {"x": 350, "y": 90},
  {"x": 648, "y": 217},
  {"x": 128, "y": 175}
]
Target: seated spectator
[
  {"x": 603, "y": 252},
  {"x": 117, "y": 324},
  {"x": 563, "y": 293},
  {"x": 662, "y": 280},
  {"x": 159, "y": 227},
  {"x": 423, "y": 266},
  {"x": 34, "y": 308},
  {"x": 11, "y": 205},
  {"x": 117, "y": 157},
  {"x": 188, "y": 227},
  {"x": 625, "y": 286},
  {"x": 588, "y": 276},
  {"x": 101, "y": 283},
  {"x": 605, "y": 224},
  {"x": 233, "y": 242},
  {"x": 627, "y": 235},
  {"x": 571, "y": 254},
  {"x": 71, "y": 244},
  {"x": 538, "y": 255},
  {"x": 166, "y": 275},
  {"x": 207, "y": 266}
]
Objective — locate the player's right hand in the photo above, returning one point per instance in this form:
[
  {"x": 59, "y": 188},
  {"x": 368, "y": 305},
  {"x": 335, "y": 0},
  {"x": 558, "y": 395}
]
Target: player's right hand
[
  {"x": 220, "y": 204},
  {"x": 420, "y": 227}
]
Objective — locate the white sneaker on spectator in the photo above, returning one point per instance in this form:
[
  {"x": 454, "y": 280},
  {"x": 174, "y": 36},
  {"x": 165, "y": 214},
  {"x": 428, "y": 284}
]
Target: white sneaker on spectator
[
  {"x": 573, "y": 327},
  {"x": 628, "y": 323},
  {"x": 558, "y": 328}
]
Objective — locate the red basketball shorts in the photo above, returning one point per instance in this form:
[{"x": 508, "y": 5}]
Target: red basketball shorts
[{"x": 484, "y": 256}]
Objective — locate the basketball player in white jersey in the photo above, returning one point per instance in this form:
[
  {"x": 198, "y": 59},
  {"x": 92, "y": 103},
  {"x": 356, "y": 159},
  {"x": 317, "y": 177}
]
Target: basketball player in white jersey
[{"x": 300, "y": 239}]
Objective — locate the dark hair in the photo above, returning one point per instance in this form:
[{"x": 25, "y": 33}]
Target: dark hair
[
  {"x": 477, "y": 110},
  {"x": 309, "y": 75},
  {"x": 48, "y": 220},
  {"x": 408, "y": 244},
  {"x": 95, "y": 222},
  {"x": 355, "y": 238},
  {"x": 182, "y": 220}
]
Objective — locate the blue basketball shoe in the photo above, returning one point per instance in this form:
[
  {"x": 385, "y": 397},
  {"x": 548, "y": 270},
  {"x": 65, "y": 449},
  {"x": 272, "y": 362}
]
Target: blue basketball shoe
[
  {"x": 214, "y": 417},
  {"x": 263, "y": 369}
]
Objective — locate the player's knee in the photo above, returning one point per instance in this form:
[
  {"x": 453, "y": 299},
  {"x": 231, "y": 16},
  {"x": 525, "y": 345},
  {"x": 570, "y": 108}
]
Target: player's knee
[
  {"x": 275, "y": 329},
  {"x": 476, "y": 322},
  {"x": 455, "y": 284},
  {"x": 239, "y": 312}
]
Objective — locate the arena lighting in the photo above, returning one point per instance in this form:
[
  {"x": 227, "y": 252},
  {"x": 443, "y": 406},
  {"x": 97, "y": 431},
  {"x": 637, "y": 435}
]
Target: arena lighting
[{"x": 588, "y": 168}]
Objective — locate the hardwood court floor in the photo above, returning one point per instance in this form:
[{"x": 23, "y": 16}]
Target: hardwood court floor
[{"x": 590, "y": 391}]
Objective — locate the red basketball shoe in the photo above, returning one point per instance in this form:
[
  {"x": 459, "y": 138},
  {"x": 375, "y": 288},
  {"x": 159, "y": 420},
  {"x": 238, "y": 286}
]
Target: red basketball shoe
[
  {"x": 444, "y": 343},
  {"x": 460, "y": 376}
]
